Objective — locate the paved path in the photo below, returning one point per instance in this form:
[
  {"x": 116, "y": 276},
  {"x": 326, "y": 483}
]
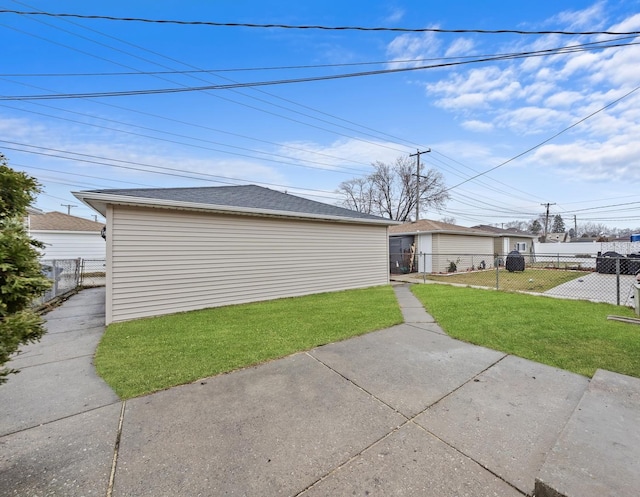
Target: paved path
[
  {"x": 402, "y": 411},
  {"x": 598, "y": 287}
]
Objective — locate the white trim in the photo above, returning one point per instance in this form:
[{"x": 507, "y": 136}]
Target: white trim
[
  {"x": 76, "y": 232},
  {"x": 109, "y": 267}
]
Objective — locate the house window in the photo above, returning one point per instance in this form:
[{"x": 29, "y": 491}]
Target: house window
[{"x": 521, "y": 246}]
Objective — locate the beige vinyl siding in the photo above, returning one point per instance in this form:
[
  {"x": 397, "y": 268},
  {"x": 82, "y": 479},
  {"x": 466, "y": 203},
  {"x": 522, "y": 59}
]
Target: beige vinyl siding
[
  {"x": 165, "y": 261},
  {"x": 466, "y": 251},
  {"x": 520, "y": 240},
  {"x": 506, "y": 244}
]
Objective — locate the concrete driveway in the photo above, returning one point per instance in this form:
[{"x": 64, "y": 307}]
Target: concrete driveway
[
  {"x": 598, "y": 287},
  {"x": 402, "y": 411}
]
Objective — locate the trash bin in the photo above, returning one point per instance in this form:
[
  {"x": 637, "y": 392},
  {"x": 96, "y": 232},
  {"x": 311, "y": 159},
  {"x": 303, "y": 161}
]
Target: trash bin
[
  {"x": 633, "y": 263},
  {"x": 515, "y": 261},
  {"x": 606, "y": 263}
]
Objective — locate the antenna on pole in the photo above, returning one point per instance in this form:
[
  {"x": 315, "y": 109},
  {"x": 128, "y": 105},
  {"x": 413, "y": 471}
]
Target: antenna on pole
[{"x": 68, "y": 206}]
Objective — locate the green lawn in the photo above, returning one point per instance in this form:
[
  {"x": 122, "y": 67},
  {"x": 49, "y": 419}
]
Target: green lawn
[
  {"x": 142, "y": 356},
  {"x": 568, "y": 334},
  {"x": 530, "y": 280}
]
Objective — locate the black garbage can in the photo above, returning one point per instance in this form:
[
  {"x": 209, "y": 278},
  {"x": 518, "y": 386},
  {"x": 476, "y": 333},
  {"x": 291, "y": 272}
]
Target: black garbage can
[
  {"x": 515, "y": 261},
  {"x": 633, "y": 263},
  {"x": 606, "y": 263}
]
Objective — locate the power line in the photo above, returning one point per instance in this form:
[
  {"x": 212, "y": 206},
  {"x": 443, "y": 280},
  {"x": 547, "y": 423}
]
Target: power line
[
  {"x": 315, "y": 26},
  {"x": 174, "y": 60},
  {"x": 163, "y": 170},
  {"x": 603, "y": 207},
  {"x": 329, "y": 167},
  {"x": 75, "y": 174},
  {"x": 235, "y": 85},
  {"x": 610, "y": 104},
  {"x": 214, "y": 71}
]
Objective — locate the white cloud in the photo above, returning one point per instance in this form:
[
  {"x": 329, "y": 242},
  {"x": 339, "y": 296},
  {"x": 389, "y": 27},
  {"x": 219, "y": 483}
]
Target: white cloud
[
  {"x": 478, "y": 126},
  {"x": 461, "y": 46},
  {"x": 397, "y": 14},
  {"x": 413, "y": 46},
  {"x": 531, "y": 120},
  {"x": 543, "y": 95},
  {"x": 590, "y": 18},
  {"x": 351, "y": 153},
  {"x": 476, "y": 89},
  {"x": 564, "y": 99},
  {"x": 592, "y": 161}
]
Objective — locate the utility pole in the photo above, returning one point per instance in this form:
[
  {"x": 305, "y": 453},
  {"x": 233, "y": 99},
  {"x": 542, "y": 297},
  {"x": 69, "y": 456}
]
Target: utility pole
[
  {"x": 546, "y": 220},
  {"x": 418, "y": 154},
  {"x": 68, "y": 206}
]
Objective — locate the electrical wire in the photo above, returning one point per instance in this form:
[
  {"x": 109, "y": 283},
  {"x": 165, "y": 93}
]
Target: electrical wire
[
  {"x": 168, "y": 171},
  {"x": 553, "y": 137},
  {"x": 483, "y": 173},
  {"x": 276, "y": 68},
  {"x": 315, "y": 26},
  {"x": 330, "y": 167},
  {"x": 229, "y": 86},
  {"x": 216, "y": 95}
]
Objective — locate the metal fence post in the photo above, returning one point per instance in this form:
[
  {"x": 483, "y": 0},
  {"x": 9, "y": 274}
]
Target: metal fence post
[
  {"x": 497, "y": 274},
  {"x": 54, "y": 276},
  {"x": 618, "y": 280},
  {"x": 424, "y": 267}
]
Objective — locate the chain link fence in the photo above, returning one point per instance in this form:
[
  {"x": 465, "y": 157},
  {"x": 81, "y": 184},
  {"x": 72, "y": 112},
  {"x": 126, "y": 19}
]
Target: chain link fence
[
  {"x": 68, "y": 275},
  {"x": 93, "y": 273},
  {"x": 608, "y": 277}
]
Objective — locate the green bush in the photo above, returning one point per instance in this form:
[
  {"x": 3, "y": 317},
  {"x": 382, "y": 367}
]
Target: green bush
[{"x": 21, "y": 278}]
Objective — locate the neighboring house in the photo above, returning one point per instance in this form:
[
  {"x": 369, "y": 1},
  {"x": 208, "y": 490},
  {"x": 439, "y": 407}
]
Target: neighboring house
[
  {"x": 67, "y": 237},
  {"x": 432, "y": 247},
  {"x": 180, "y": 249},
  {"x": 557, "y": 238},
  {"x": 509, "y": 239}
]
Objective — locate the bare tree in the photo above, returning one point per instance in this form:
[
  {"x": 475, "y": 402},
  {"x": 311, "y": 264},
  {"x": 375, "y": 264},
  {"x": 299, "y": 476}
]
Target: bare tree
[
  {"x": 390, "y": 190},
  {"x": 518, "y": 225},
  {"x": 593, "y": 229},
  {"x": 358, "y": 194}
]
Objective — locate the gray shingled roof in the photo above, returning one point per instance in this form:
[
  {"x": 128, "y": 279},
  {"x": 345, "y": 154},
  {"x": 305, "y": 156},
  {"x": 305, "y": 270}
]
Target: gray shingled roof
[
  {"x": 242, "y": 196},
  {"x": 503, "y": 231},
  {"x": 429, "y": 225}
]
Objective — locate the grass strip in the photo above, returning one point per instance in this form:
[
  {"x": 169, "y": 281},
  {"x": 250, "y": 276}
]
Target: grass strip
[
  {"x": 146, "y": 355},
  {"x": 567, "y": 334},
  {"x": 531, "y": 280}
]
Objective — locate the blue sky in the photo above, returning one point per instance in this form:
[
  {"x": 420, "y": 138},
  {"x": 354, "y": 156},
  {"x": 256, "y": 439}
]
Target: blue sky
[{"x": 308, "y": 137}]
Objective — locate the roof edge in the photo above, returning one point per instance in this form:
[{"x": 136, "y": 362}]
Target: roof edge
[
  {"x": 98, "y": 202},
  {"x": 443, "y": 232}
]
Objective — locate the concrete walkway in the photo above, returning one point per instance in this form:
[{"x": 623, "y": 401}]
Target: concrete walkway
[{"x": 402, "y": 411}]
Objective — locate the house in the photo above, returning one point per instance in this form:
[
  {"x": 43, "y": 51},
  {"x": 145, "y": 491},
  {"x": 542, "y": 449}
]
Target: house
[
  {"x": 508, "y": 239},
  {"x": 181, "y": 249},
  {"x": 437, "y": 247},
  {"x": 65, "y": 236},
  {"x": 557, "y": 238}
]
